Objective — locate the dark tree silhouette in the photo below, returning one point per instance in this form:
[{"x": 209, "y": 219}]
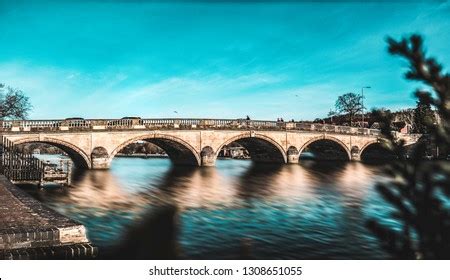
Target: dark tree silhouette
[
  {"x": 13, "y": 103},
  {"x": 349, "y": 104},
  {"x": 419, "y": 191},
  {"x": 154, "y": 237},
  {"x": 423, "y": 117}
]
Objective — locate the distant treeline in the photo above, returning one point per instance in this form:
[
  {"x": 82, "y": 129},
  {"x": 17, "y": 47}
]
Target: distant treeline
[
  {"x": 405, "y": 116},
  {"x": 151, "y": 149},
  {"x": 411, "y": 116},
  {"x": 142, "y": 148},
  {"x": 133, "y": 148},
  {"x": 39, "y": 148}
]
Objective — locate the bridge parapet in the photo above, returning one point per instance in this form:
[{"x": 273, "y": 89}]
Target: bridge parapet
[{"x": 72, "y": 125}]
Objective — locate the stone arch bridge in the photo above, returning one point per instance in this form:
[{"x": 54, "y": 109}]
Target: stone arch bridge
[{"x": 92, "y": 144}]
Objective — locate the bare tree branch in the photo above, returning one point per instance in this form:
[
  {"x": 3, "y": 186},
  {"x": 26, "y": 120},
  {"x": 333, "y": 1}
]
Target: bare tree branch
[{"x": 13, "y": 103}]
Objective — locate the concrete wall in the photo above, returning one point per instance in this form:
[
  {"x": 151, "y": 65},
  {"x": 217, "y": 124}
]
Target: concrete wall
[{"x": 29, "y": 230}]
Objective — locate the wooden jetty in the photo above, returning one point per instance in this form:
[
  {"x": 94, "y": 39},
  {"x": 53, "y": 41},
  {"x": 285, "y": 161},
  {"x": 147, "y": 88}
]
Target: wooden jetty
[{"x": 25, "y": 168}]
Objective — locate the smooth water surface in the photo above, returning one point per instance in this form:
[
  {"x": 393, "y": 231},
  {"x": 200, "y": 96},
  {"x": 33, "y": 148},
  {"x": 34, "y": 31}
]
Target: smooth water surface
[{"x": 301, "y": 211}]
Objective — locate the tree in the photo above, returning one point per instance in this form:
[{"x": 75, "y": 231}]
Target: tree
[
  {"x": 419, "y": 190},
  {"x": 423, "y": 117},
  {"x": 13, "y": 103},
  {"x": 150, "y": 148},
  {"x": 331, "y": 114},
  {"x": 349, "y": 104}
]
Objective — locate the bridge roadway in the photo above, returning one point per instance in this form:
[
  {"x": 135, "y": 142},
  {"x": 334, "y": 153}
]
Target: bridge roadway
[{"x": 92, "y": 144}]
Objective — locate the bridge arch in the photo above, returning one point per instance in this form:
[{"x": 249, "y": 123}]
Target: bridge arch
[
  {"x": 260, "y": 147},
  {"x": 333, "y": 142},
  {"x": 374, "y": 150},
  {"x": 77, "y": 155},
  {"x": 178, "y": 150}
]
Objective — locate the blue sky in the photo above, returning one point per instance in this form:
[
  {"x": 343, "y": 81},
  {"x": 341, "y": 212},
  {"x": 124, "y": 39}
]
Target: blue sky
[{"x": 108, "y": 59}]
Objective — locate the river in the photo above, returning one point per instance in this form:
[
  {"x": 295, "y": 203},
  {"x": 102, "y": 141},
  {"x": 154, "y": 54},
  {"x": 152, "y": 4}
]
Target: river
[{"x": 303, "y": 211}]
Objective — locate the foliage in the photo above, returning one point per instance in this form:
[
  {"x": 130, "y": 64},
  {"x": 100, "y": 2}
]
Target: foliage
[
  {"x": 419, "y": 191},
  {"x": 13, "y": 103},
  {"x": 423, "y": 117},
  {"x": 331, "y": 113},
  {"x": 349, "y": 104},
  {"x": 142, "y": 148},
  {"x": 43, "y": 148},
  {"x": 153, "y": 237}
]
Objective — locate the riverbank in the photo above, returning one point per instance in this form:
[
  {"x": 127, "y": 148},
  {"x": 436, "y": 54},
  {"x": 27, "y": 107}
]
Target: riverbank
[
  {"x": 139, "y": 155},
  {"x": 29, "y": 230}
]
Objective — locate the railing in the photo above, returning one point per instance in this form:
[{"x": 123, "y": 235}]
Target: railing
[
  {"x": 17, "y": 166},
  {"x": 21, "y": 167},
  {"x": 138, "y": 123}
]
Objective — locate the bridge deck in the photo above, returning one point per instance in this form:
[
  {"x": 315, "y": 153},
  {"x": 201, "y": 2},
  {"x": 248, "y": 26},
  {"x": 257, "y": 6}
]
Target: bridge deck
[{"x": 70, "y": 125}]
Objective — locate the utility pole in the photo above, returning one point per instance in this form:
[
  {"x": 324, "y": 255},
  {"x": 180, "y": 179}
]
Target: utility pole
[{"x": 362, "y": 104}]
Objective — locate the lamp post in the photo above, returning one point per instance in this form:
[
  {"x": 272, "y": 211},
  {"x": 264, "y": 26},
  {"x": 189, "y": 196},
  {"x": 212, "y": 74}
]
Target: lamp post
[{"x": 362, "y": 104}]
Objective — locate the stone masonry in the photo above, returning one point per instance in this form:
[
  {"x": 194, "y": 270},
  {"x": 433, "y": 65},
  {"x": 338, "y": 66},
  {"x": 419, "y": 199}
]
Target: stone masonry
[{"x": 29, "y": 230}]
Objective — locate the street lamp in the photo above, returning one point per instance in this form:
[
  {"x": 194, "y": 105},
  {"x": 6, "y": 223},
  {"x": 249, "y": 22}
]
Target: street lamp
[{"x": 362, "y": 104}]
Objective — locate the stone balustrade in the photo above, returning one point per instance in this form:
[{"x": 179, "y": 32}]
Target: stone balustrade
[{"x": 173, "y": 123}]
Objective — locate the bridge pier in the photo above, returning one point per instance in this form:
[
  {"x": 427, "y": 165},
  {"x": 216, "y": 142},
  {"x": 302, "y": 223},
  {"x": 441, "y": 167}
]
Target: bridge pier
[
  {"x": 355, "y": 153},
  {"x": 208, "y": 157},
  {"x": 293, "y": 155},
  {"x": 100, "y": 158},
  {"x": 292, "y": 159},
  {"x": 100, "y": 163},
  {"x": 356, "y": 157}
]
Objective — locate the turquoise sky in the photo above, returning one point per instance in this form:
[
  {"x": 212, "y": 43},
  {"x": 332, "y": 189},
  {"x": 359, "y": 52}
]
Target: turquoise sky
[{"x": 108, "y": 59}]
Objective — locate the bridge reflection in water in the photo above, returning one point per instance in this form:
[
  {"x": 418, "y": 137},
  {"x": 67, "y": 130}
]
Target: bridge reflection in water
[{"x": 310, "y": 210}]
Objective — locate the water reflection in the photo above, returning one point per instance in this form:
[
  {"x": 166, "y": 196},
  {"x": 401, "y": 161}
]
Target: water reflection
[{"x": 236, "y": 209}]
